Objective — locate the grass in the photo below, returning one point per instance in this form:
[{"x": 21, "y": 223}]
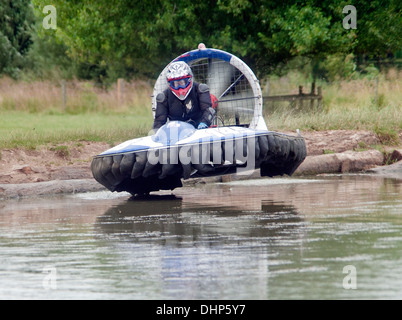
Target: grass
[
  {"x": 347, "y": 104},
  {"x": 81, "y": 97},
  {"x": 21, "y": 129},
  {"x": 33, "y": 113},
  {"x": 386, "y": 122}
]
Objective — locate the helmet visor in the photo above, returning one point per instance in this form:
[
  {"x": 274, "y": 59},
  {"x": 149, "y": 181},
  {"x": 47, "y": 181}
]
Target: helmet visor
[{"x": 180, "y": 83}]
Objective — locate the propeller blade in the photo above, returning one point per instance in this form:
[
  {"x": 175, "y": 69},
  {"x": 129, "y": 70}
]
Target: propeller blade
[{"x": 220, "y": 74}]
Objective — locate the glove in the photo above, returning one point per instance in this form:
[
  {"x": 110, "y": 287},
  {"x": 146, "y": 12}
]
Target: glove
[{"x": 202, "y": 125}]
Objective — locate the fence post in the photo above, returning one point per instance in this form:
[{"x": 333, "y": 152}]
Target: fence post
[
  {"x": 312, "y": 95},
  {"x": 300, "y": 90},
  {"x": 313, "y": 87},
  {"x": 300, "y": 94},
  {"x": 120, "y": 91},
  {"x": 63, "y": 92}
]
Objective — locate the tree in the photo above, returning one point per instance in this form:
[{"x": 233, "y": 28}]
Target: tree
[
  {"x": 379, "y": 27},
  {"x": 110, "y": 38},
  {"x": 122, "y": 38},
  {"x": 16, "y": 21}
]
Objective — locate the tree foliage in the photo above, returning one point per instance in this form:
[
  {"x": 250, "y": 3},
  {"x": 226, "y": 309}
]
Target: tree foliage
[
  {"x": 16, "y": 21},
  {"x": 123, "y": 38}
]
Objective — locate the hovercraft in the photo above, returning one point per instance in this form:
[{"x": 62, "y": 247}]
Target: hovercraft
[{"x": 238, "y": 141}]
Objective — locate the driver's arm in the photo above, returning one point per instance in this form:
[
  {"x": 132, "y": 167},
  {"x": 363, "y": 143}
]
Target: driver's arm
[{"x": 162, "y": 111}]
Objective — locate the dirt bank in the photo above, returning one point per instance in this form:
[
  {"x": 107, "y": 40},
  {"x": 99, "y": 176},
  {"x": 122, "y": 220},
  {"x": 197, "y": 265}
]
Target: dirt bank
[
  {"x": 48, "y": 163},
  {"x": 46, "y": 169}
]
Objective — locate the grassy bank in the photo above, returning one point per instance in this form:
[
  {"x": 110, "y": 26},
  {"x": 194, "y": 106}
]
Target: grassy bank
[
  {"x": 363, "y": 103},
  {"x": 21, "y": 129},
  {"x": 34, "y": 113}
]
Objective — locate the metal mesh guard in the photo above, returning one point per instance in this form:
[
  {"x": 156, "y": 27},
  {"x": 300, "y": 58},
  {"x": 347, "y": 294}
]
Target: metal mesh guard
[{"x": 232, "y": 88}]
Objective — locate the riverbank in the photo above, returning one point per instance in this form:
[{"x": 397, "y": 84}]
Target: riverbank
[{"x": 59, "y": 169}]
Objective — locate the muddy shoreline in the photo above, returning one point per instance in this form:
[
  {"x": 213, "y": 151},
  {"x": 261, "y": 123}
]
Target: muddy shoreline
[{"x": 63, "y": 169}]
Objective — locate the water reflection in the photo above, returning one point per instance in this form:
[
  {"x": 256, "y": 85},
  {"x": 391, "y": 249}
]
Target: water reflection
[
  {"x": 170, "y": 218},
  {"x": 261, "y": 239},
  {"x": 199, "y": 251}
]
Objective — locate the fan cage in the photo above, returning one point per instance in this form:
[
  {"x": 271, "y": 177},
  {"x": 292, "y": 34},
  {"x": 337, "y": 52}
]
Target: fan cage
[{"x": 237, "y": 101}]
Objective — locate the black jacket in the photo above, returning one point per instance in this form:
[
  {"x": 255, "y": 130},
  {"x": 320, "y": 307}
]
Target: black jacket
[{"x": 196, "y": 107}]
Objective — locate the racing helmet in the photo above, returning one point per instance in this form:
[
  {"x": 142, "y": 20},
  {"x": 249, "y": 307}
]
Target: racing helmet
[{"x": 180, "y": 79}]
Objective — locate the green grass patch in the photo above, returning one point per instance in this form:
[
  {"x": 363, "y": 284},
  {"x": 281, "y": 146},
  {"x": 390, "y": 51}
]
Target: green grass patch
[
  {"x": 386, "y": 122},
  {"x": 29, "y": 130}
]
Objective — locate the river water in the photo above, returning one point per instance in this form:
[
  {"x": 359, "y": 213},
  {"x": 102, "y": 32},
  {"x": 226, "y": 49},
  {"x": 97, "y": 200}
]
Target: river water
[{"x": 328, "y": 237}]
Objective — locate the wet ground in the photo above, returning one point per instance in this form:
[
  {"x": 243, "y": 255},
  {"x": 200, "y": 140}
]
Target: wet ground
[{"x": 328, "y": 237}]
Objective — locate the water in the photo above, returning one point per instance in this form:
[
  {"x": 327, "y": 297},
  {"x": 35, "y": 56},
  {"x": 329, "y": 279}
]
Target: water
[{"x": 332, "y": 237}]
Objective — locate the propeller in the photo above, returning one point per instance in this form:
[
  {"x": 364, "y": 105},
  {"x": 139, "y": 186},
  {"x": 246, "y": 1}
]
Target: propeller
[
  {"x": 219, "y": 76},
  {"x": 229, "y": 87}
]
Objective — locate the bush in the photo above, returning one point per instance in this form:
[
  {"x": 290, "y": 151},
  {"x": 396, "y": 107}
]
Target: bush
[{"x": 16, "y": 24}]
